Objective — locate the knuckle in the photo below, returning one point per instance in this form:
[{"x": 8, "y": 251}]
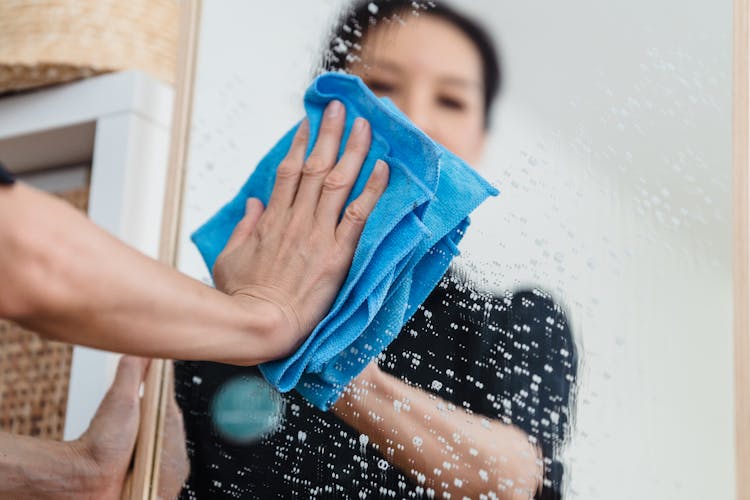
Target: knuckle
[
  {"x": 358, "y": 145},
  {"x": 355, "y": 213},
  {"x": 329, "y": 126},
  {"x": 286, "y": 169},
  {"x": 372, "y": 188},
  {"x": 314, "y": 166},
  {"x": 124, "y": 402},
  {"x": 301, "y": 136},
  {"x": 335, "y": 181}
]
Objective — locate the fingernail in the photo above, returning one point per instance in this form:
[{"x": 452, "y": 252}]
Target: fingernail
[
  {"x": 334, "y": 109},
  {"x": 359, "y": 125}
]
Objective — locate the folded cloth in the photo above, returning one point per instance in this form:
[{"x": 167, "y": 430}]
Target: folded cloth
[{"x": 406, "y": 246}]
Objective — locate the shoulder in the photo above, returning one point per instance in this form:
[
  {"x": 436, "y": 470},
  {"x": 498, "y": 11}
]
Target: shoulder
[
  {"x": 534, "y": 320},
  {"x": 532, "y": 305},
  {"x": 531, "y": 301}
]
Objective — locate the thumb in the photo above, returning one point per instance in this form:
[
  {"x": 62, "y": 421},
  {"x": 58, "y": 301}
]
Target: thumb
[
  {"x": 119, "y": 411},
  {"x": 253, "y": 211}
]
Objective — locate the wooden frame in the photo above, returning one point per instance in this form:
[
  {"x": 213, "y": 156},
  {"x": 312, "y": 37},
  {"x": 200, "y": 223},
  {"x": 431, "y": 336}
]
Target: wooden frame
[
  {"x": 741, "y": 153},
  {"x": 145, "y": 479},
  {"x": 144, "y": 482}
]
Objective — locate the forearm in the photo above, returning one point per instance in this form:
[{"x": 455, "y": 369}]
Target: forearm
[
  {"x": 440, "y": 446},
  {"x": 88, "y": 288}
]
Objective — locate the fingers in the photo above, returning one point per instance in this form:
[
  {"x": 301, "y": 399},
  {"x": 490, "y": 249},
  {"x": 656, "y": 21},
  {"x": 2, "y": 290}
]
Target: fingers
[
  {"x": 338, "y": 183},
  {"x": 289, "y": 170},
  {"x": 292, "y": 266},
  {"x": 322, "y": 158},
  {"x": 118, "y": 410},
  {"x": 253, "y": 210},
  {"x": 356, "y": 214},
  {"x": 130, "y": 374}
]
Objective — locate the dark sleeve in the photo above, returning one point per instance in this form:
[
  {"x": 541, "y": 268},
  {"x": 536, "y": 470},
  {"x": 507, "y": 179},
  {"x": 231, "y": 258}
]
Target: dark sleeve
[
  {"x": 530, "y": 362},
  {"x": 5, "y": 177}
]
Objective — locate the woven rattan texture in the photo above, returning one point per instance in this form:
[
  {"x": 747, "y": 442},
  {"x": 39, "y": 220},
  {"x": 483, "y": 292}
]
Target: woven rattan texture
[
  {"x": 53, "y": 41},
  {"x": 34, "y": 373}
]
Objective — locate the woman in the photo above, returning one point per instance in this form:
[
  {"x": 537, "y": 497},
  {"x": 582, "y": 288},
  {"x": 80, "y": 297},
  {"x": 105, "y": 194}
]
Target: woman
[{"x": 472, "y": 397}]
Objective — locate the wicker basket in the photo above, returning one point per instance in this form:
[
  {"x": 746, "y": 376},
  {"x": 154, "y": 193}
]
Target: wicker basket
[
  {"x": 34, "y": 373},
  {"x": 43, "y": 42}
]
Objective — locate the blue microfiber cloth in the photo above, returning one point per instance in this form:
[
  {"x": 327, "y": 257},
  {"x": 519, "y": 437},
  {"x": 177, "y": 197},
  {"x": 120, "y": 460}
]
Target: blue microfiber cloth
[{"x": 406, "y": 246}]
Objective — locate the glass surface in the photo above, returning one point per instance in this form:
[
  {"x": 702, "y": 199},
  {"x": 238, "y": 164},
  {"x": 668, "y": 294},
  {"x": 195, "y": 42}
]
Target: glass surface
[{"x": 590, "y": 310}]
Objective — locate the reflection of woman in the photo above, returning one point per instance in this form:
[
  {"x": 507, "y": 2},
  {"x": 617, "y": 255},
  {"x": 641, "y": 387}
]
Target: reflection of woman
[{"x": 474, "y": 389}]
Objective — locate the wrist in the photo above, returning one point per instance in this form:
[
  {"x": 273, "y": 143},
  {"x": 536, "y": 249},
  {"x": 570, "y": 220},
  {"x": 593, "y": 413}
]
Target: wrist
[
  {"x": 368, "y": 385},
  {"x": 264, "y": 332},
  {"x": 372, "y": 376}
]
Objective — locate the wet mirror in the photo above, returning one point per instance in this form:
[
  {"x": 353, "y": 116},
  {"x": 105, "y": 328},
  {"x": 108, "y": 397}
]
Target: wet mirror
[{"x": 581, "y": 344}]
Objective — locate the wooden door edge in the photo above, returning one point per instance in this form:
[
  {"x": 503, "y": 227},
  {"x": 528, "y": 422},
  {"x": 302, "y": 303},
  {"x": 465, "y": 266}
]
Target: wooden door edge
[{"x": 147, "y": 459}]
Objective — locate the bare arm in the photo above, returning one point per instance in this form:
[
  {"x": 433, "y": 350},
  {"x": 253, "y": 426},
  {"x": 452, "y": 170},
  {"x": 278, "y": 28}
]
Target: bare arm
[
  {"x": 438, "y": 445},
  {"x": 66, "y": 278}
]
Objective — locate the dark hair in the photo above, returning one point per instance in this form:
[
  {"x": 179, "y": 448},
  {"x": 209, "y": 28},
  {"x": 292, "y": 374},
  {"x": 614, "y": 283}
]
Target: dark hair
[{"x": 364, "y": 14}]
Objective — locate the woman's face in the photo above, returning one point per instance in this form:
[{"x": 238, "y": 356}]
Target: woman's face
[{"x": 433, "y": 72}]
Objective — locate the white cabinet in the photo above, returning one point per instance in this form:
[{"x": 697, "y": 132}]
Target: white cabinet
[{"x": 119, "y": 125}]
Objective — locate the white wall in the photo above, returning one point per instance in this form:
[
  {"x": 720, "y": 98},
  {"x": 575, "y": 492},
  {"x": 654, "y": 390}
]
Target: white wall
[{"x": 612, "y": 151}]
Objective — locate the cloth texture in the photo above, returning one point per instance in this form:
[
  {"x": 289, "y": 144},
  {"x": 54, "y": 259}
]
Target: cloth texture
[{"x": 406, "y": 246}]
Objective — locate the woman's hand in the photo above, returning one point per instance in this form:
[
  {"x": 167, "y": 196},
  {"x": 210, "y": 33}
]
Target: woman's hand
[
  {"x": 105, "y": 450},
  {"x": 96, "y": 464},
  {"x": 293, "y": 257},
  {"x": 71, "y": 281}
]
